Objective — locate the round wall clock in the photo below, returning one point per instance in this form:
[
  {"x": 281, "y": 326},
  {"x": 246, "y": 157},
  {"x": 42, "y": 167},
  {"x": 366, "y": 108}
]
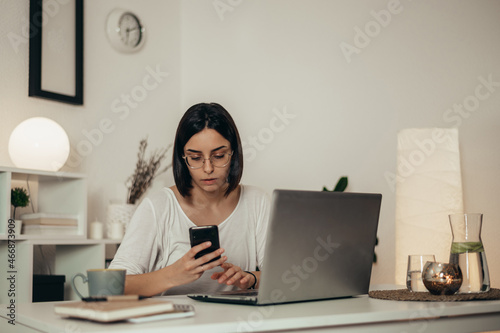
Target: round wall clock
[{"x": 125, "y": 31}]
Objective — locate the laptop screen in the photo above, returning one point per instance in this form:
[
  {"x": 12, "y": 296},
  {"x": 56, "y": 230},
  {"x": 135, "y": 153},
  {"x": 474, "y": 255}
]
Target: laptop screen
[{"x": 319, "y": 245}]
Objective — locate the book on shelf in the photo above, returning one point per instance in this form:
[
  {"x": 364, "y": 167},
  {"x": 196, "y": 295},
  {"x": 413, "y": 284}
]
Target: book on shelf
[
  {"x": 49, "y": 230},
  {"x": 114, "y": 310},
  {"x": 49, "y": 219}
]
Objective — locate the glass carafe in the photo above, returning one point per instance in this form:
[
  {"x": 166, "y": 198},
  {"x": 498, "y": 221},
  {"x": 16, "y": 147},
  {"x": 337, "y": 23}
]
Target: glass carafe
[{"x": 467, "y": 251}]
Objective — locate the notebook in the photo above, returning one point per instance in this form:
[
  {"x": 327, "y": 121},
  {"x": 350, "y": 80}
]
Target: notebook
[
  {"x": 320, "y": 245},
  {"x": 180, "y": 311},
  {"x": 113, "y": 310}
]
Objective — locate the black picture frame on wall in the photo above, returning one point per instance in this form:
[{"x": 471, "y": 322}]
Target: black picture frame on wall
[{"x": 56, "y": 51}]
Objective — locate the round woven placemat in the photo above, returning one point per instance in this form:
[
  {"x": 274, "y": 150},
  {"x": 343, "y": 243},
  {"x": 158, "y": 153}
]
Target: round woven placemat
[{"x": 406, "y": 295}]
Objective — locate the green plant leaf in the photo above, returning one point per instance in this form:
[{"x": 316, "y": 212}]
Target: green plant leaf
[
  {"x": 466, "y": 247},
  {"x": 341, "y": 185},
  {"x": 19, "y": 197}
]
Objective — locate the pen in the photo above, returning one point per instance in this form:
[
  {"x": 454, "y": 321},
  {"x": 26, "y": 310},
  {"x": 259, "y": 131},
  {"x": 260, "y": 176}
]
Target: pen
[{"x": 113, "y": 298}]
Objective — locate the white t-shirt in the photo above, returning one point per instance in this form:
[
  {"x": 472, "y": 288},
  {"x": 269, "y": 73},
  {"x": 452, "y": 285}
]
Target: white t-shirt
[{"x": 158, "y": 236}]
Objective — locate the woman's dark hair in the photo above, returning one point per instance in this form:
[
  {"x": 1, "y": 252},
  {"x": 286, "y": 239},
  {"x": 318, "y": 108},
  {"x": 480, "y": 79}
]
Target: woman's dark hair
[{"x": 196, "y": 119}]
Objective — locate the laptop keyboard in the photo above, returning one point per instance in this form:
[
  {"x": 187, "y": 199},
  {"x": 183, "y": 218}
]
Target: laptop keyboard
[{"x": 253, "y": 292}]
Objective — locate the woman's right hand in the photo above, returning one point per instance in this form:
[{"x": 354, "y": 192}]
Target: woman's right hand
[{"x": 188, "y": 269}]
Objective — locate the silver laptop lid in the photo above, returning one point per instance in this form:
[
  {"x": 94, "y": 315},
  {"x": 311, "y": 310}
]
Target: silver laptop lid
[{"x": 319, "y": 245}]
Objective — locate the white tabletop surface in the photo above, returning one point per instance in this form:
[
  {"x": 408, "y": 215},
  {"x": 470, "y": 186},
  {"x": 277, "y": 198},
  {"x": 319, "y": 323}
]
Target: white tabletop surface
[{"x": 355, "y": 312}]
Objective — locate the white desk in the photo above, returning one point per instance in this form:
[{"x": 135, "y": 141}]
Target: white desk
[{"x": 359, "y": 314}]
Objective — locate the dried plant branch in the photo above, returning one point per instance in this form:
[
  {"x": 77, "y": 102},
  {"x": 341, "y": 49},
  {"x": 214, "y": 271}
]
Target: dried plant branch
[{"x": 145, "y": 171}]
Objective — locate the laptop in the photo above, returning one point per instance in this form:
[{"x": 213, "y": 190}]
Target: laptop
[{"x": 320, "y": 245}]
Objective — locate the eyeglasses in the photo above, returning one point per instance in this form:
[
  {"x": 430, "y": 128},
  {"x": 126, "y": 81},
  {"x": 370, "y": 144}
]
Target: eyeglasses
[{"x": 218, "y": 160}]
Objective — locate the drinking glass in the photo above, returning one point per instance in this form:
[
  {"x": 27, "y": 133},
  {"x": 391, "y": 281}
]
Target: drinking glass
[{"x": 416, "y": 264}]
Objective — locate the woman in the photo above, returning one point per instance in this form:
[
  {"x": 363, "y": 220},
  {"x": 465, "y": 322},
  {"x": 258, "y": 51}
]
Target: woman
[{"x": 207, "y": 167}]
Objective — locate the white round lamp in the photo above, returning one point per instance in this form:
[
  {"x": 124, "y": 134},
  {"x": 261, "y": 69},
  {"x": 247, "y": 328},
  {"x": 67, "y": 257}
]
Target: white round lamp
[{"x": 39, "y": 143}]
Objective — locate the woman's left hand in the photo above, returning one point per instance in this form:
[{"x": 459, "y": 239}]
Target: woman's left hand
[{"x": 234, "y": 275}]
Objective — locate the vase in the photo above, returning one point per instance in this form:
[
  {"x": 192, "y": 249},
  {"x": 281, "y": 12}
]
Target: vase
[
  {"x": 468, "y": 253},
  {"x": 18, "y": 224},
  {"x": 118, "y": 214}
]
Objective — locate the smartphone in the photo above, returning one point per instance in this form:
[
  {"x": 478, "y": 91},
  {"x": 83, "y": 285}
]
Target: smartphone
[{"x": 202, "y": 234}]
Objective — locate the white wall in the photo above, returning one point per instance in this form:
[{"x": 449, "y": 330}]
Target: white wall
[
  {"x": 256, "y": 57},
  {"x": 269, "y": 57},
  {"x": 108, "y": 159},
  {"x": 110, "y": 76}
]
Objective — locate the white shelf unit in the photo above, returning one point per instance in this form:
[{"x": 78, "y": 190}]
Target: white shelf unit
[
  {"x": 50, "y": 192},
  {"x": 71, "y": 257}
]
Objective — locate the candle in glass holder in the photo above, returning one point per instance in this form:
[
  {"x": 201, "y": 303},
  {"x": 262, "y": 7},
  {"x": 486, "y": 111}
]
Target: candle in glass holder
[{"x": 442, "y": 278}]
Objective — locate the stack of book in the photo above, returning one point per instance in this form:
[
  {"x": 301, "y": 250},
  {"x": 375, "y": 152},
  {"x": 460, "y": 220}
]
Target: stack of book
[
  {"x": 135, "y": 311},
  {"x": 49, "y": 224}
]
